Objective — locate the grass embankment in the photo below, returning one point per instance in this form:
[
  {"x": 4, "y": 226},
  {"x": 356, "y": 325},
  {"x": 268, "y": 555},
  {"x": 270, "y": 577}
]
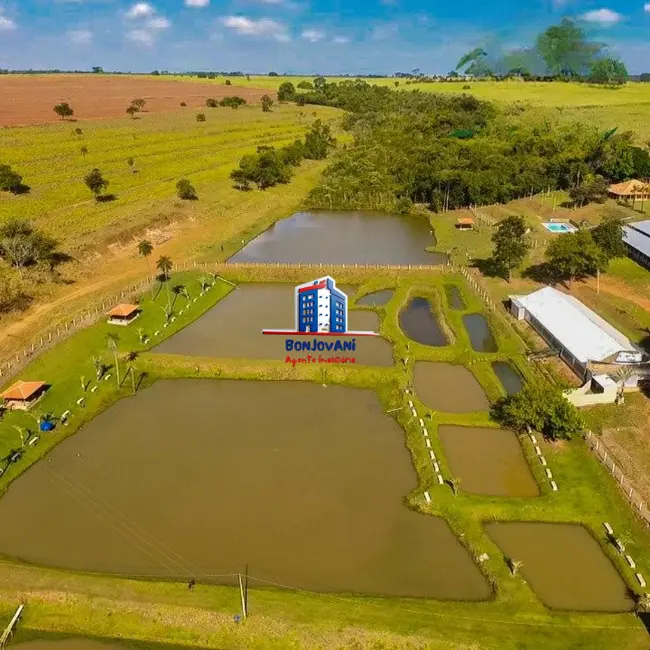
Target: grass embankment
[{"x": 157, "y": 612}]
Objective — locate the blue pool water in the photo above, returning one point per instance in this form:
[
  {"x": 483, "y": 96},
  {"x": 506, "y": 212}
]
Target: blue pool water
[{"x": 559, "y": 227}]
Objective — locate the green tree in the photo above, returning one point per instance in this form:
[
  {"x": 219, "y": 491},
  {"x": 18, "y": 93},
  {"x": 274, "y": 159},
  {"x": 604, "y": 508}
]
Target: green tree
[
  {"x": 471, "y": 57},
  {"x": 21, "y": 245},
  {"x": 113, "y": 340},
  {"x": 574, "y": 256},
  {"x": 95, "y": 182},
  {"x": 608, "y": 71},
  {"x": 10, "y": 181},
  {"x": 511, "y": 244},
  {"x": 608, "y": 236},
  {"x": 200, "y": 117},
  {"x": 566, "y": 50},
  {"x": 320, "y": 83},
  {"x": 318, "y": 141},
  {"x": 294, "y": 153},
  {"x": 132, "y": 110},
  {"x": 593, "y": 189},
  {"x": 63, "y": 110},
  {"x": 541, "y": 408},
  {"x": 165, "y": 265},
  {"x": 234, "y": 102},
  {"x": 211, "y": 102},
  {"x": 286, "y": 92},
  {"x": 145, "y": 248},
  {"x": 306, "y": 85},
  {"x": 267, "y": 103},
  {"x": 185, "y": 190},
  {"x": 139, "y": 103}
]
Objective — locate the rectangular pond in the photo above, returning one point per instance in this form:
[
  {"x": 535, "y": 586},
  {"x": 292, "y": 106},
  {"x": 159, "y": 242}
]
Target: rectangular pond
[
  {"x": 194, "y": 477},
  {"x": 420, "y": 324},
  {"x": 510, "y": 379},
  {"x": 454, "y": 297},
  {"x": 488, "y": 461},
  {"x": 563, "y": 564},
  {"x": 233, "y": 328},
  {"x": 479, "y": 332},
  {"x": 448, "y": 387},
  {"x": 344, "y": 238}
]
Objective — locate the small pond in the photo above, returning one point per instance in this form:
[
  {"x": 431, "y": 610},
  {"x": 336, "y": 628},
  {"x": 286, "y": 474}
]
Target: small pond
[
  {"x": 510, "y": 379},
  {"x": 454, "y": 297},
  {"x": 488, "y": 461},
  {"x": 69, "y": 644},
  {"x": 448, "y": 388},
  {"x": 233, "y": 328},
  {"x": 305, "y": 484},
  {"x": 344, "y": 238},
  {"x": 480, "y": 336},
  {"x": 377, "y": 298},
  {"x": 419, "y": 323},
  {"x": 563, "y": 564}
]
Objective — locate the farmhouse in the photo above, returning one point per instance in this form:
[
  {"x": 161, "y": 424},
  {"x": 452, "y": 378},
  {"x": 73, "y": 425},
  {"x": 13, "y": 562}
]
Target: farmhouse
[
  {"x": 634, "y": 189},
  {"x": 587, "y": 343},
  {"x": 637, "y": 239},
  {"x": 123, "y": 314},
  {"x": 465, "y": 223},
  {"x": 24, "y": 394}
]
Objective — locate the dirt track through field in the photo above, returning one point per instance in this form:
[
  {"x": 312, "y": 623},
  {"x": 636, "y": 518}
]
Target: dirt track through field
[{"x": 29, "y": 99}]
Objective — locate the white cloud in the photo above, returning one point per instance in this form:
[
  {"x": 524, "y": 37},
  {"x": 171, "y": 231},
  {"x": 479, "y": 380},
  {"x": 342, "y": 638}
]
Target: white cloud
[
  {"x": 381, "y": 32},
  {"x": 158, "y": 23},
  {"x": 646, "y": 7},
  {"x": 603, "y": 17},
  {"x": 80, "y": 36},
  {"x": 262, "y": 27},
  {"x": 141, "y": 37},
  {"x": 197, "y": 3},
  {"x": 313, "y": 35},
  {"x": 140, "y": 10},
  {"x": 6, "y": 24},
  {"x": 340, "y": 40}
]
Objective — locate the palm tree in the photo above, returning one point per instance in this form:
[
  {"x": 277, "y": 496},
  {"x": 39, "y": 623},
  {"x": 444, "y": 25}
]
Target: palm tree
[
  {"x": 178, "y": 290},
  {"x": 642, "y": 603},
  {"x": 145, "y": 248},
  {"x": 514, "y": 565},
  {"x": 165, "y": 265},
  {"x": 131, "y": 358},
  {"x": 204, "y": 281},
  {"x": 21, "y": 433},
  {"x": 454, "y": 484},
  {"x": 113, "y": 340},
  {"x": 622, "y": 375},
  {"x": 98, "y": 364}
]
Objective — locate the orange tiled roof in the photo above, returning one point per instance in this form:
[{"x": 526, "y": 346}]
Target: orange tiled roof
[
  {"x": 123, "y": 310},
  {"x": 23, "y": 389}
]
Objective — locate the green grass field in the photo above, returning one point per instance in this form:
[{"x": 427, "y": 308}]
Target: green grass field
[
  {"x": 151, "y": 613},
  {"x": 165, "y": 147}
]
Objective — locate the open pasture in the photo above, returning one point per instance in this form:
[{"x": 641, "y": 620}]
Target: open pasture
[{"x": 29, "y": 99}]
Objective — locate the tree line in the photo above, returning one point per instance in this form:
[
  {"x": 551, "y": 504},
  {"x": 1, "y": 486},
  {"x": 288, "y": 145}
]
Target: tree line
[{"x": 452, "y": 151}]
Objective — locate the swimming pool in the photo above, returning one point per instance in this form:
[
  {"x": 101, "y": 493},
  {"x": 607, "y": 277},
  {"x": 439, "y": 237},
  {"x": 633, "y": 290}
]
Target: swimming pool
[{"x": 559, "y": 227}]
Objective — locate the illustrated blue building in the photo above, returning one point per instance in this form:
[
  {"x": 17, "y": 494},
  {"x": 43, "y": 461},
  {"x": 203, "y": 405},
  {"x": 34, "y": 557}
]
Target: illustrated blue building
[{"x": 321, "y": 307}]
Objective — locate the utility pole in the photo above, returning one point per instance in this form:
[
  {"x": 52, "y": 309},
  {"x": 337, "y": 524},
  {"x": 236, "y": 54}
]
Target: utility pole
[
  {"x": 246, "y": 590},
  {"x": 243, "y": 596}
]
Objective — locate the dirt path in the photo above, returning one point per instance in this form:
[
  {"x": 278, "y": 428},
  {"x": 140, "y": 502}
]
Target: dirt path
[{"x": 618, "y": 288}]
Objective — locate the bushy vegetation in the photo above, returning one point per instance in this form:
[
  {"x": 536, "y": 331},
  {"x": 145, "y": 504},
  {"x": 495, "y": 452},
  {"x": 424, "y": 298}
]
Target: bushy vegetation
[
  {"x": 454, "y": 151},
  {"x": 270, "y": 166},
  {"x": 10, "y": 180},
  {"x": 233, "y": 102}
]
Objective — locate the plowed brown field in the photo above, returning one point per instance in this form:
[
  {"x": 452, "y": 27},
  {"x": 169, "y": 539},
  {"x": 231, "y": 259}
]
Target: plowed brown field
[{"x": 29, "y": 99}]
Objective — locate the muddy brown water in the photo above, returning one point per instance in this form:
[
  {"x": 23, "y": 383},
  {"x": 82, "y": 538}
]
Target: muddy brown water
[
  {"x": 480, "y": 336},
  {"x": 344, "y": 238},
  {"x": 200, "y": 477},
  {"x": 69, "y": 644},
  {"x": 419, "y": 323},
  {"x": 233, "y": 328},
  {"x": 377, "y": 298},
  {"x": 563, "y": 564},
  {"x": 510, "y": 379},
  {"x": 454, "y": 297},
  {"x": 448, "y": 388},
  {"x": 488, "y": 461}
]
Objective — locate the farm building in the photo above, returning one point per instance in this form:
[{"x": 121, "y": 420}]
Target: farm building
[
  {"x": 637, "y": 239},
  {"x": 465, "y": 223},
  {"x": 24, "y": 394},
  {"x": 586, "y": 342},
  {"x": 123, "y": 314},
  {"x": 634, "y": 189}
]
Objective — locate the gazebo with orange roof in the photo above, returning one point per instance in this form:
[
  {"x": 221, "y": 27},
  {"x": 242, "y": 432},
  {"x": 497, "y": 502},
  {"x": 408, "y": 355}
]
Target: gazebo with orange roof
[
  {"x": 123, "y": 314},
  {"x": 465, "y": 223},
  {"x": 24, "y": 394}
]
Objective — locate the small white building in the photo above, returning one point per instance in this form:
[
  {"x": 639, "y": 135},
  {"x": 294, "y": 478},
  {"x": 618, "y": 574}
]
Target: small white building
[{"x": 581, "y": 336}]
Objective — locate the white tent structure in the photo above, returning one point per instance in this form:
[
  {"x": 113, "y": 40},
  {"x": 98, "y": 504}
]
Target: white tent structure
[{"x": 580, "y": 335}]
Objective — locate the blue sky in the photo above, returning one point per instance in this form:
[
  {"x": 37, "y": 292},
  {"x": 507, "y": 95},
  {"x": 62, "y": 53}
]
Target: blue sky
[{"x": 299, "y": 36}]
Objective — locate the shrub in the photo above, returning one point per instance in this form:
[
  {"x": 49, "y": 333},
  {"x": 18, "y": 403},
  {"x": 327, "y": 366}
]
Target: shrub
[
  {"x": 286, "y": 92},
  {"x": 96, "y": 182},
  {"x": 211, "y": 102},
  {"x": 233, "y": 102},
  {"x": 183, "y": 104},
  {"x": 267, "y": 102},
  {"x": 228, "y": 82},
  {"x": 63, "y": 110},
  {"x": 200, "y": 117},
  {"x": 185, "y": 190},
  {"x": 10, "y": 181}
]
